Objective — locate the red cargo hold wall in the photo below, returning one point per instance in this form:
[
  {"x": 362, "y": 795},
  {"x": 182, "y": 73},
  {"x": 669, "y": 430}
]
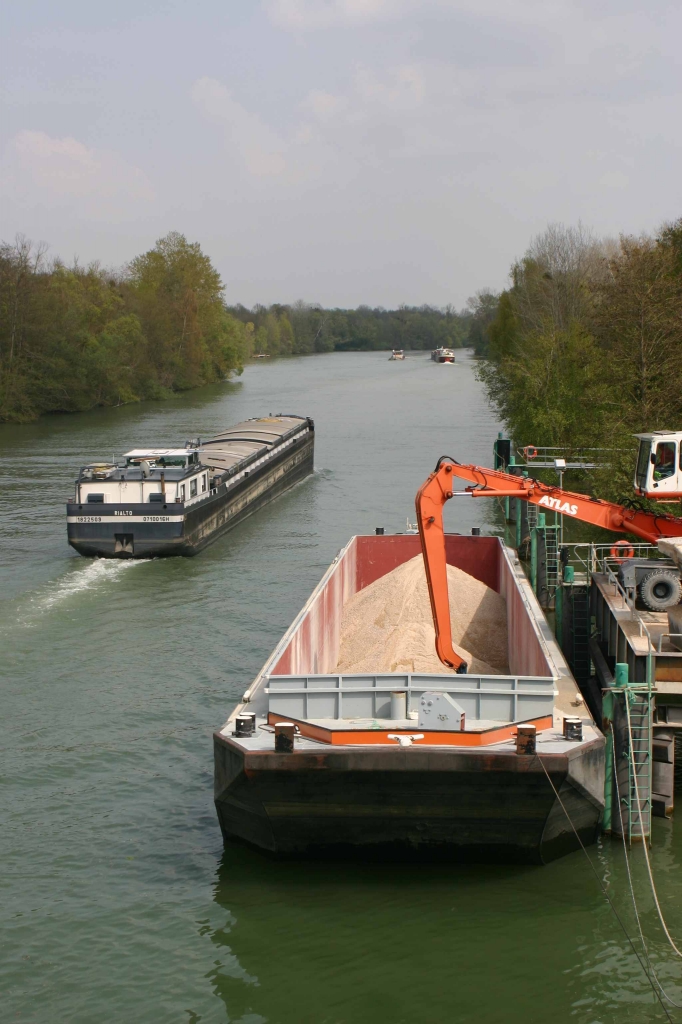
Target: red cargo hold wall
[{"x": 312, "y": 647}]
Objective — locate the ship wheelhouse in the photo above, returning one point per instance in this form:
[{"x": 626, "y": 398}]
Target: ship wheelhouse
[{"x": 144, "y": 475}]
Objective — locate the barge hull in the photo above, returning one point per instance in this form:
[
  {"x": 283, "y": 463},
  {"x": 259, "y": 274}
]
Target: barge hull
[{"x": 422, "y": 804}]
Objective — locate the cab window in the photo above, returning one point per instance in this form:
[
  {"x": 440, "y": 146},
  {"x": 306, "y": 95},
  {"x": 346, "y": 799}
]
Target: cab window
[
  {"x": 665, "y": 460},
  {"x": 204, "y": 482},
  {"x": 182, "y": 492},
  {"x": 643, "y": 462},
  {"x": 193, "y": 487}
]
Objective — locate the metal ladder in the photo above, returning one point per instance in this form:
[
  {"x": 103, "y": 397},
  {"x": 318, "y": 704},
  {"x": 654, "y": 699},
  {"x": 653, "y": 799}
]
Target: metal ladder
[
  {"x": 552, "y": 560},
  {"x": 639, "y": 763},
  {"x": 578, "y": 614}
]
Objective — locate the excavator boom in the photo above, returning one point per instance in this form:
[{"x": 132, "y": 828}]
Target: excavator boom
[{"x": 492, "y": 483}]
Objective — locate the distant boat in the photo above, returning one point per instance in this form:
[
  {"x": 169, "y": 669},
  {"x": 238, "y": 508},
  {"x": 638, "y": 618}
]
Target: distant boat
[
  {"x": 397, "y": 353},
  {"x": 443, "y": 355},
  {"x": 261, "y": 355}
]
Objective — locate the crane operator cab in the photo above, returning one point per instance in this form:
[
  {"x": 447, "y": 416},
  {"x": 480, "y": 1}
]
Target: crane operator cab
[{"x": 659, "y": 465}]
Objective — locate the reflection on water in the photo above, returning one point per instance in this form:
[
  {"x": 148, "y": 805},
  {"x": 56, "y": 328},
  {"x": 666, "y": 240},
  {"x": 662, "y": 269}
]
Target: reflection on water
[{"x": 347, "y": 942}]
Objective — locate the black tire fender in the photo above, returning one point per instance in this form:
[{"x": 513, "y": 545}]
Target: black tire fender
[{"x": 660, "y": 590}]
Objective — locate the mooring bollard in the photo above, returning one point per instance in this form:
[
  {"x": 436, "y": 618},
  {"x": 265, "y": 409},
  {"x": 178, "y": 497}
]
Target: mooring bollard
[
  {"x": 525, "y": 739},
  {"x": 573, "y": 729},
  {"x": 245, "y": 724},
  {"x": 398, "y": 705},
  {"x": 284, "y": 737}
]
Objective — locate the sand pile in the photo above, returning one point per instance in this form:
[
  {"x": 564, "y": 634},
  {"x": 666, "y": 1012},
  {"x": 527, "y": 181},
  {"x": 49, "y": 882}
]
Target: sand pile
[{"x": 388, "y": 627}]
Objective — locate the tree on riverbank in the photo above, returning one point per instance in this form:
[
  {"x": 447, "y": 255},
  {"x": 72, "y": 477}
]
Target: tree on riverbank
[
  {"x": 586, "y": 345},
  {"x": 72, "y": 338},
  {"x": 303, "y": 328}
]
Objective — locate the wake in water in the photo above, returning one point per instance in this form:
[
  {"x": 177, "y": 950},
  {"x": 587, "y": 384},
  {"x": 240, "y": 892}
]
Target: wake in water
[{"x": 93, "y": 576}]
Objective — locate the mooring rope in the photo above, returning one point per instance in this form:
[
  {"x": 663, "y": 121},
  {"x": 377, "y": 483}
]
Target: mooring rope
[
  {"x": 644, "y": 842},
  {"x": 632, "y": 893},
  {"x": 605, "y": 892}
]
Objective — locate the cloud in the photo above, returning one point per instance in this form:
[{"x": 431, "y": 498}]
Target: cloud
[
  {"x": 614, "y": 179},
  {"x": 307, "y": 15},
  {"x": 40, "y": 169},
  {"x": 324, "y": 105},
  {"x": 259, "y": 146},
  {"x": 312, "y": 15},
  {"x": 403, "y": 89}
]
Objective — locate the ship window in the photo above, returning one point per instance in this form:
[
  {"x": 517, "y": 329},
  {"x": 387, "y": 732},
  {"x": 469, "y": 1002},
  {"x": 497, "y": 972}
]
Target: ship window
[
  {"x": 665, "y": 460},
  {"x": 182, "y": 492},
  {"x": 193, "y": 487},
  {"x": 167, "y": 460},
  {"x": 95, "y": 497},
  {"x": 204, "y": 483},
  {"x": 643, "y": 463}
]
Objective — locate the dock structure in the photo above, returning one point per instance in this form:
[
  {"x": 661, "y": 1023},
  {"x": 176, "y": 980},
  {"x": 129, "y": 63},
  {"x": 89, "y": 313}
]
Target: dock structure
[{"x": 627, "y": 662}]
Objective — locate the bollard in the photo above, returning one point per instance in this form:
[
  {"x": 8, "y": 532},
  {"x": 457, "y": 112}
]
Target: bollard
[
  {"x": 475, "y": 531},
  {"x": 379, "y": 531},
  {"x": 525, "y": 739},
  {"x": 573, "y": 729},
  {"x": 284, "y": 737},
  {"x": 245, "y": 724},
  {"x": 398, "y": 705},
  {"x": 622, "y": 673}
]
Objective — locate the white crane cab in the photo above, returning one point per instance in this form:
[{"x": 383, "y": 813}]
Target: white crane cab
[{"x": 659, "y": 465}]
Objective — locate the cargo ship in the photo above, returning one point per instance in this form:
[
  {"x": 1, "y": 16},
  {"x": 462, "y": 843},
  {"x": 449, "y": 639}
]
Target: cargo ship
[
  {"x": 174, "y": 501},
  {"x": 443, "y": 355},
  {"x": 316, "y": 762}
]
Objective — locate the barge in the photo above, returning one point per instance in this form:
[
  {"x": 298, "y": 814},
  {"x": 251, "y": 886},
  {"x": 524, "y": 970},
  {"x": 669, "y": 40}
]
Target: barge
[
  {"x": 175, "y": 501},
  {"x": 313, "y": 762},
  {"x": 443, "y": 355}
]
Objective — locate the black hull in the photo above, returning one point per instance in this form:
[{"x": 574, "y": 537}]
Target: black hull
[
  {"x": 430, "y": 805},
  {"x": 195, "y": 527}
]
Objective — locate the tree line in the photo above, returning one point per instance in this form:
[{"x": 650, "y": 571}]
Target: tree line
[
  {"x": 72, "y": 338},
  {"x": 303, "y": 327},
  {"x": 584, "y": 348},
  {"x": 75, "y": 337}
]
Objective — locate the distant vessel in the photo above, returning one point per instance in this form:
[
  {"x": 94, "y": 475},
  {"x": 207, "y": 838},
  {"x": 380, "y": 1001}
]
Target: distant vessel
[
  {"x": 175, "y": 501},
  {"x": 443, "y": 355},
  {"x": 397, "y": 353}
]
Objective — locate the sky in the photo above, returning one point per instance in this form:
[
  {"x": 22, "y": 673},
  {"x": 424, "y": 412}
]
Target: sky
[{"x": 346, "y": 152}]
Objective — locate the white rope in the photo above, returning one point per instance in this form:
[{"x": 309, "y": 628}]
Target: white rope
[
  {"x": 604, "y": 890},
  {"x": 632, "y": 893},
  {"x": 644, "y": 842}
]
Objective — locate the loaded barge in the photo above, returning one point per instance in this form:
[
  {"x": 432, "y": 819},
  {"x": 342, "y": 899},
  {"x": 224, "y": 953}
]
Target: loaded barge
[
  {"x": 314, "y": 761},
  {"x": 175, "y": 501}
]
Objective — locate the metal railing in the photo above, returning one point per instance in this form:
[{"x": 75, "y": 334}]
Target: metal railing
[{"x": 574, "y": 458}]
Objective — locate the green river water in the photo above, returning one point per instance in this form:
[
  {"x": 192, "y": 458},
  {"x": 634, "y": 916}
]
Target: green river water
[{"x": 119, "y": 902}]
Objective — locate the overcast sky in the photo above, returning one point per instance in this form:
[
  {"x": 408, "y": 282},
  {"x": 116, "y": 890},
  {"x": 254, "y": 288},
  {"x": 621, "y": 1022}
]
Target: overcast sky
[{"x": 339, "y": 151}]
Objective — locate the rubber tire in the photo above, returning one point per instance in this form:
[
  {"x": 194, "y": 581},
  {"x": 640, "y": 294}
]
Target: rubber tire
[{"x": 652, "y": 582}]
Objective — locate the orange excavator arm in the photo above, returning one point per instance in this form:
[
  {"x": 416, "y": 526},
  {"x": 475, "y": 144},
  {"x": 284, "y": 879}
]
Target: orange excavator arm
[{"x": 492, "y": 483}]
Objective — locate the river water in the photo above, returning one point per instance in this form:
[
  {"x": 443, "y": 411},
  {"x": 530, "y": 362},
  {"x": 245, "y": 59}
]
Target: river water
[{"x": 120, "y": 903}]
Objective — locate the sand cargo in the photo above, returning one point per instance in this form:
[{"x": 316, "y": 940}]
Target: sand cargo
[{"x": 332, "y": 749}]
